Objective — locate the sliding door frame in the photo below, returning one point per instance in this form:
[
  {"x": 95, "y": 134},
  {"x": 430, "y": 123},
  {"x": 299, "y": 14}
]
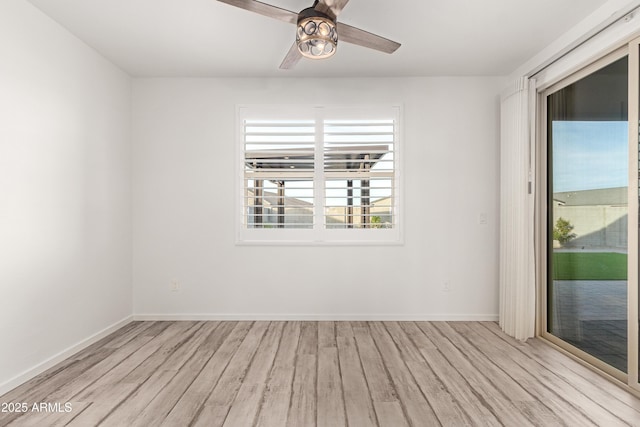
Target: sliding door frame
[
  {"x": 634, "y": 213},
  {"x": 632, "y": 50}
]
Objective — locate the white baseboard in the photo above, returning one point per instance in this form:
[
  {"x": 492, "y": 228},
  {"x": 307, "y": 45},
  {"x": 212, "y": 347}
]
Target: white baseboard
[
  {"x": 320, "y": 317},
  {"x": 64, "y": 354}
]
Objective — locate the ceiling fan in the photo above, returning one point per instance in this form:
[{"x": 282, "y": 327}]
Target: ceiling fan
[{"x": 318, "y": 30}]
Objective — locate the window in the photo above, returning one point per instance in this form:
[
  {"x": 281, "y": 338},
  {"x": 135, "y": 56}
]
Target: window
[{"x": 318, "y": 174}]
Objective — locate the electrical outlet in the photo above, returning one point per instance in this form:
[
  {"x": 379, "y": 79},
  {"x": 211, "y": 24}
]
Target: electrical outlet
[
  {"x": 446, "y": 286},
  {"x": 174, "y": 286}
]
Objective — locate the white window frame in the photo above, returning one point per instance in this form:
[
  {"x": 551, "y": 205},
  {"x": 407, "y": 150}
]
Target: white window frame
[{"x": 318, "y": 235}]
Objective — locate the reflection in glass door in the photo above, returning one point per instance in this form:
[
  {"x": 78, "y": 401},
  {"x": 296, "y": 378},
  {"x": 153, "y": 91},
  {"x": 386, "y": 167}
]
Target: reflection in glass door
[{"x": 588, "y": 157}]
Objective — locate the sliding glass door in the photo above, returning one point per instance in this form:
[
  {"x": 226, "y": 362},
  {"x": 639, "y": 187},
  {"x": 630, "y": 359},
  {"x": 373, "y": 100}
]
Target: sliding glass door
[
  {"x": 634, "y": 217},
  {"x": 588, "y": 213}
]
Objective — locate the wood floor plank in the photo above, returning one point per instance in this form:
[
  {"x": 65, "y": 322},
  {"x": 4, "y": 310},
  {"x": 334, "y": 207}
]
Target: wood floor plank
[
  {"x": 192, "y": 341},
  {"x": 166, "y": 399},
  {"x": 64, "y": 385},
  {"x": 125, "y": 405},
  {"x": 331, "y": 411},
  {"x": 171, "y": 352},
  {"x": 120, "y": 337},
  {"x": 521, "y": 376},
  {"x": 357, "y": 398},
  {"x": 115, "y": 340},
  {"x": 137, "y": 328},
  {"x": 609, "y": 394},
  {"x": 302, "y": 411},
  {"x": 416, "y": 407},
  {"x": 458, "y": 336},
  {"x": 589, "y": 408},
  {"x": 327, "y": 335},
  {"x": 473, "y": 404},
  {"x": 130, "y": 407},
  {"x": 99, "y": 350},
  {"x": 50, "y": 381},
  {"x": 500, "y": 405},
  {"x": 446, "y": 407},
  {"x": 139, "y": 347},
  {"x": 275, "y": 405},
  {"x": 600, "y": 406},
  {"x": 383, "y": 394},
  {"x": 133, "y": 360},
  {"x": 217, "y": 405},
  {"x": 156, "y": 373},
  {"x": 490, "y": 367},
  {"x": 245, "y": 407},
  {"x": 110, "y": 396},
  {"x": 303, "y": 374},
  {"x": 199, "y": 390},
  {"x": 582, "y": 377}
]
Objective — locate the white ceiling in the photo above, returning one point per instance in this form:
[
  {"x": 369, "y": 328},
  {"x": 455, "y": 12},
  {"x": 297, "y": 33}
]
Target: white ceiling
[{"x": 206, "y": 38}]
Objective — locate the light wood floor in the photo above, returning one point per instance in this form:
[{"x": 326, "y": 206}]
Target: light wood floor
[{"x": 321, "y": 373}]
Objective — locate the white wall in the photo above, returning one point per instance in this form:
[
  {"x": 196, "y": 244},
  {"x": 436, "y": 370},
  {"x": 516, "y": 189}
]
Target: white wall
[
  {"x": 183, "y": 192},
  {"x": 612, "y": 24},
  {"x": 65, "y": 192}
]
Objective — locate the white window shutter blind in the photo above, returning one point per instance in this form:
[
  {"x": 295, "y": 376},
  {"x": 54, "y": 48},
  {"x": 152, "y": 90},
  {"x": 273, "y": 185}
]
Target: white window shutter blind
[
  {"x": 359, "y": 173},
  {"x": 319, "y": 174},
  {"x": 279, "y": 162}
]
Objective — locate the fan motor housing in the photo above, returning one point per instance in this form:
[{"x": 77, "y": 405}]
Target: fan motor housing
[{"x": 316, "y": 34}]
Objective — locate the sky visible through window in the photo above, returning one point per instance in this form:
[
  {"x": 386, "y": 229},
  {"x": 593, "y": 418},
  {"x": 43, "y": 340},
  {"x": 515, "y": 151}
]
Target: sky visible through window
[{"x": 589, "y": 155}]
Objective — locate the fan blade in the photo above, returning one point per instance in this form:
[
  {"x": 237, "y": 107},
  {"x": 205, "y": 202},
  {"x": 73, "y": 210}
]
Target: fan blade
[
  {"x": 265, "y": 9},
  {"x": 349, "y": 34},
  {"x": 292, "y": 58},
  {"x": 331, "y": 7}
]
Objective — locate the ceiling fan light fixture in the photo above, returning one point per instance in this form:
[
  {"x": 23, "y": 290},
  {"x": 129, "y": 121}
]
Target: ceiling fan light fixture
[{"x": 316, "y": 34}]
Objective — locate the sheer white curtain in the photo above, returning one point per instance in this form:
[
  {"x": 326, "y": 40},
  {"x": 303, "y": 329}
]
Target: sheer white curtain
[{"x": 517, "y": 261}]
